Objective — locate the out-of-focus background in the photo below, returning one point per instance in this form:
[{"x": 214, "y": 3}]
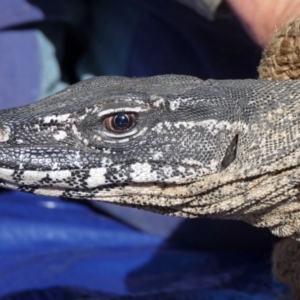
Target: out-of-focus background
[{"x": 56, "y": 249}]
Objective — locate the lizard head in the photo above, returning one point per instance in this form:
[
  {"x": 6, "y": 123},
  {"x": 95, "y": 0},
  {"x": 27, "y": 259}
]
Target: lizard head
[{"x": 156, "y": 143}]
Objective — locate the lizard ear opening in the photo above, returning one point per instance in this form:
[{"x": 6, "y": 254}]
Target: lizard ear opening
[{"x": 230, "y": 154}]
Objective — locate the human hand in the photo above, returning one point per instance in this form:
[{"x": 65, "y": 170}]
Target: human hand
[{"x": 261, "y": 18}]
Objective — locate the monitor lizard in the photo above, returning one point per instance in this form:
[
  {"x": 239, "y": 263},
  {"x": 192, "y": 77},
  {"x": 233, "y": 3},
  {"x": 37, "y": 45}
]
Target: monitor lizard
[{"x": 170, "y": 144}]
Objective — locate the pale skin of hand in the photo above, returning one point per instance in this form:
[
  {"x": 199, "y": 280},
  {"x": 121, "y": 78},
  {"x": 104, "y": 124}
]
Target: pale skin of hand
[{"x": 261, "y": 18}]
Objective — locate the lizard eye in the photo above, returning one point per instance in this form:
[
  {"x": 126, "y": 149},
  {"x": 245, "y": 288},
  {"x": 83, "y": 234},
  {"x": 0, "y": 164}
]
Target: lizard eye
[{"x": 120, "y": 122}]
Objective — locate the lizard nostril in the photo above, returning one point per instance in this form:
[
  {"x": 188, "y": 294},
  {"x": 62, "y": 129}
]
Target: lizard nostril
[{"x": 4, "y": 134}]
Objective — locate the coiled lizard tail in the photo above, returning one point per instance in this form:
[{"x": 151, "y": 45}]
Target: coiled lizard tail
[{"x": 281, "y": 61}]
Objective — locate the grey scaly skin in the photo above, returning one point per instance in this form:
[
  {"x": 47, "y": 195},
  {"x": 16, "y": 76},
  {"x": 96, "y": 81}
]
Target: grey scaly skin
[{"x": 170, "y": 144}]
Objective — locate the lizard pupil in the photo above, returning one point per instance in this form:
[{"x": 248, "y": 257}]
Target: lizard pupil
[{"x": 121, "y": 121}]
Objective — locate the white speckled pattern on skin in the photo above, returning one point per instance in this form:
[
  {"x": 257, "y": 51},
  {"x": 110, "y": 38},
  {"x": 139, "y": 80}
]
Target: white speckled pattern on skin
[{"x": 229, "y": 149}]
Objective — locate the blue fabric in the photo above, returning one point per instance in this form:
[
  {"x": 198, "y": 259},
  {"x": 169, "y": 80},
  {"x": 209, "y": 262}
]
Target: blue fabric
[
  {"x": 67, "y": 248},
  {"x": 55, "y": 249},
  {"x": 19, "y": 77},
  {"x": 20, "y": 12}
]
